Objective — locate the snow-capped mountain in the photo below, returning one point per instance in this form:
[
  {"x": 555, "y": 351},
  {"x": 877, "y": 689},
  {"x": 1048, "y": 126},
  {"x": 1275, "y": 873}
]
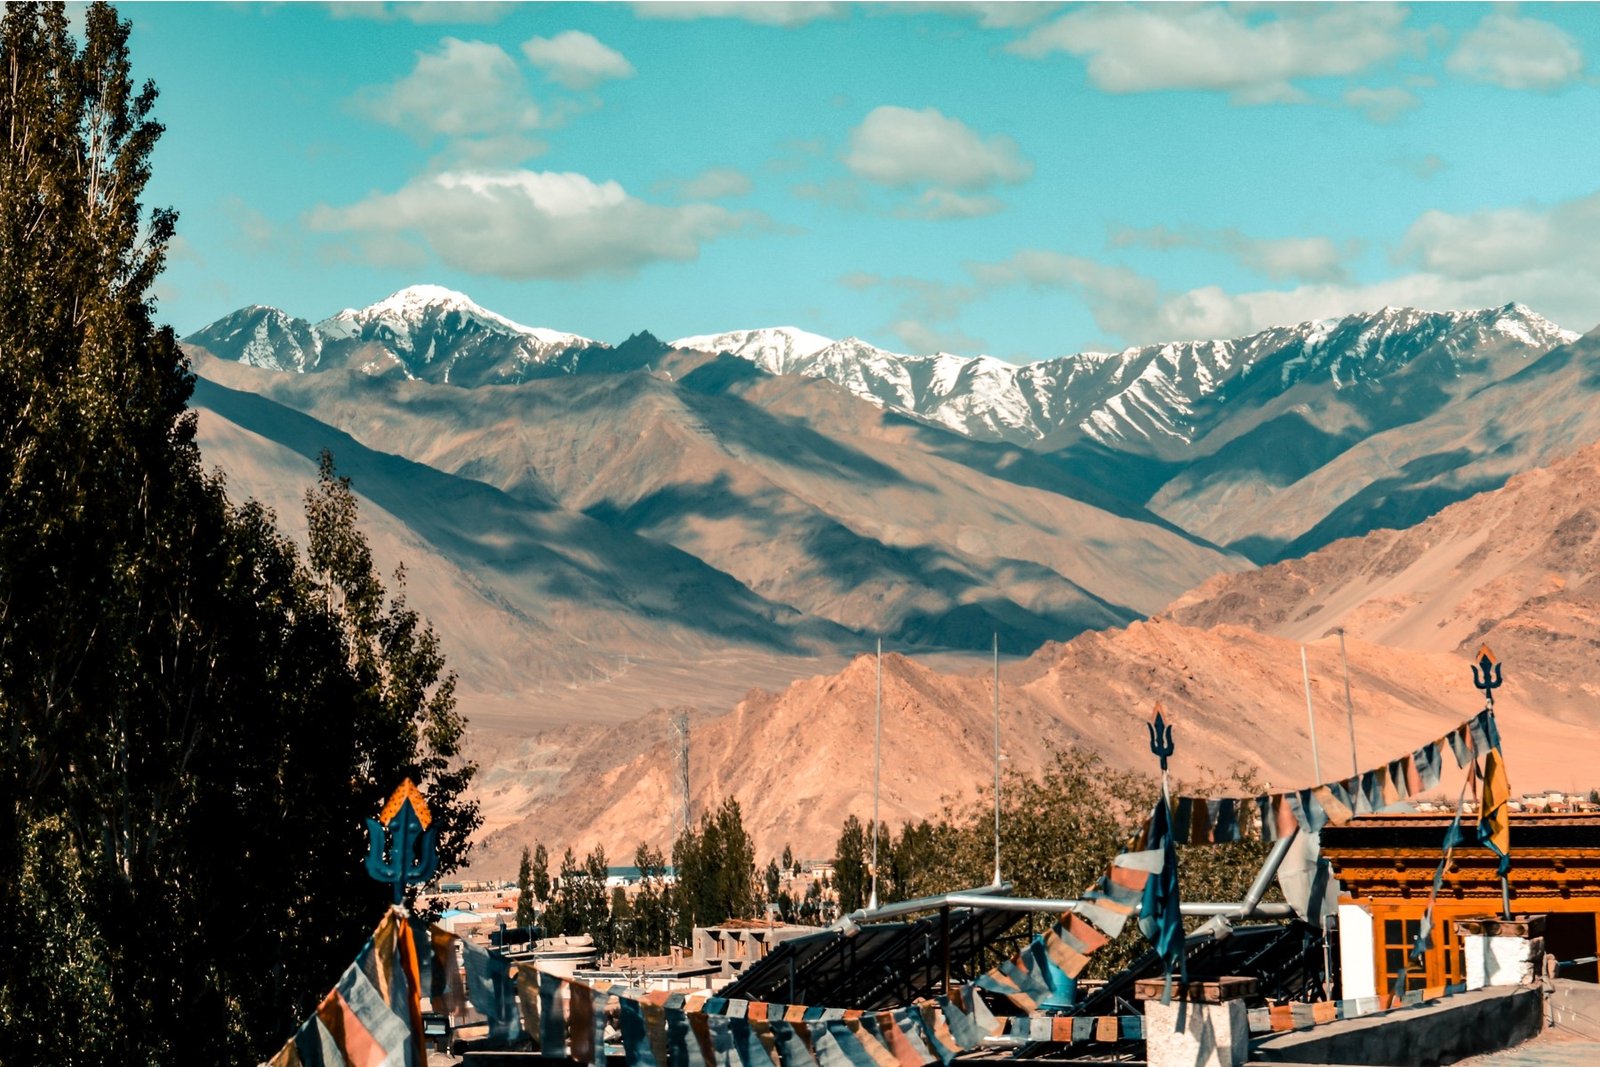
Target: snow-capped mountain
[
  {"x": 1151, "y": 396},
  {"x": 1168, "y": 401},
  {"x": 425, "y": 331},
  {"x": 263, "y": 337}
]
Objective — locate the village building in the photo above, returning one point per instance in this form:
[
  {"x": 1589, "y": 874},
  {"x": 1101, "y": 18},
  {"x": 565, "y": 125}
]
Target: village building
[{"x": 1385, "y": 866}]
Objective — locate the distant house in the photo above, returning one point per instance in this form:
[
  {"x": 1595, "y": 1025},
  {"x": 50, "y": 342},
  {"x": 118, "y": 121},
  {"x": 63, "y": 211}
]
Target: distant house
[
  {"x": 629, "y": 877},
  {"x": 1385, "y": 866}
]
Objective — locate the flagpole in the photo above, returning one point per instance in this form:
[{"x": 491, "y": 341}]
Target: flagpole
[
  {"x": 1311, "y": 719},
  {"x": 1349, "y": 708},
  {"x": 997, "y": 759},
  {"x": 877, "y": 750}
]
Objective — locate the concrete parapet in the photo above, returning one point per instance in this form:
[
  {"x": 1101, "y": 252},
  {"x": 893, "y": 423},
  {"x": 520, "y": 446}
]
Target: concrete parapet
[
  {"x": 1205, "y": 1025},
  {"x": 1440, "y": 1032},
  {"x": 1501, "y": 952}
]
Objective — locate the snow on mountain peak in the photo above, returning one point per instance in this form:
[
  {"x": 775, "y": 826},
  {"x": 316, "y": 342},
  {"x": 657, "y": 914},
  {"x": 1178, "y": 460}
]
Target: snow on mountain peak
[
  {"x": 1521, "y": 323},
  {"x": 796, "y": 341},
  {"x": 408, "y": 308},
  {"x": 775, "y": 349}
]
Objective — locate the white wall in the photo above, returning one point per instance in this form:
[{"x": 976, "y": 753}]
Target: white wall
[{"x": 1357, "y": 962}]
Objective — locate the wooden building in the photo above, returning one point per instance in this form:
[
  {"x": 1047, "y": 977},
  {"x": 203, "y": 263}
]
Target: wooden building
[{"x": 1385, "y": 866}]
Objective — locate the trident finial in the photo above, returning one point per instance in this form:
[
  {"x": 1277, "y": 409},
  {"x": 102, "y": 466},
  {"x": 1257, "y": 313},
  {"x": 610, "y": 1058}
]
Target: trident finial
[
  {"x": 1489, "y": 680},
  {"x": 1160, "y": 737},
  {"x": 402, "y": 841}
]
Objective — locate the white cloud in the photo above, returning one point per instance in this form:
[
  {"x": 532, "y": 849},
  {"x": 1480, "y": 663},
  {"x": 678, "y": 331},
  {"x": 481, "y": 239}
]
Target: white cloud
[
  {"x": 1507, "y": 240},
  {"x": 920, "y": 337},
  {"x": 988, "y": 14},
  {"x": 576, "y": 59},
  {"x": 1382, "y": 106},
  {"x": 1120, "y": 298},
  {"x": 897, "y": 146},
  {"x": 944, "y": 204},
  {"x": 474, "y": 153},
  {"x": 1278, "y": 259},
  {"x": 714, "y": 183},
  {"x": 1424, "y": 166},
  {"x": 1547, "y": 258},
  {"x": 1517, "y": 53},
  {"x": 1252, "y": 53},
  {"x": 784, "y": 13},
  {"x": 424, "y": 12},
  {"x": 532, "y": 224},
  {"x": 465, "y": 89}
]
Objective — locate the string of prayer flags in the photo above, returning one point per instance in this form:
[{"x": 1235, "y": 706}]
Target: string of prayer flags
[
  {"x": 1216, "y": 820},
  {"x": 1494, "y": 827},
  {"x": 1104, "y": 908},
  {"x": 1300, "y": 1016},
  {"x": 373, "y": 1015},
  {"x": 1160, "y": 914},
  {"x": 660, "y": 1029}
]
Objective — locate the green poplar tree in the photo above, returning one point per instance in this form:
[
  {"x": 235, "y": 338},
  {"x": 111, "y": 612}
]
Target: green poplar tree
[
  {"x": 850, "y": 875},
  {"x": 196, "y": 722},
  {"x": 525, "y": 891},
  {"x": 541, "y": 873}
]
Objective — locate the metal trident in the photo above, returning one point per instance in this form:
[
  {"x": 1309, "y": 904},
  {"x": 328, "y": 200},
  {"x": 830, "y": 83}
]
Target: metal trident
[
  {"x": 1160, "y": 737},
  {"x": 405, "y": 832},
  {"x": 1489, "y": 680}
]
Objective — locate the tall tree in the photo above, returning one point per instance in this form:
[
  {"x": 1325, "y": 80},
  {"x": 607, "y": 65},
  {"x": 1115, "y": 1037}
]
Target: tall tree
[
  {"x": 541, "y": 873},
  {"x": 850, "y": 875},
  {"x": 525, "y": 910},
  {"x": 773, "y": 880},
  {"x": 195, "y": 721},
  {"x": 652, "y": 905},
  {"x": 716, "y": 869}
]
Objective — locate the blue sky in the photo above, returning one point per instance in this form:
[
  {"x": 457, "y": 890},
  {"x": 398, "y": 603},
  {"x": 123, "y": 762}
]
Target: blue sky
[{"x": 1017, "y": 179}]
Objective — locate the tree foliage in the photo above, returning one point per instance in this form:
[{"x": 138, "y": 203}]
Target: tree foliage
[
  {"x": 525, "y": 908},
  {"x": 850, "y": 874},
  {"x": 1059, "y": 832},
  {"x": 653, "y": 905},
  {"x": 540, "y": 874},
  {"x": 716, "y": 869},
  {"x": 194, "y": 720}
]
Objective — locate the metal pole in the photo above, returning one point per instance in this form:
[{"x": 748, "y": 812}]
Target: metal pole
[
  {"x": 877, "y": 746},
  {"x": 1349, "y": 708},
  {"x": 1311, "y": 719},
  {"x": 944, "y": 937},
  {"x": 997, "y": 759},
  {"x": 1269, "y": 870}
]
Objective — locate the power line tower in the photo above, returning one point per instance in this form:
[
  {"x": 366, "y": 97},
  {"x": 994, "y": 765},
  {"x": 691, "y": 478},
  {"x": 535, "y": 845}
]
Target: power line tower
[{"x": 680, "y": 724}]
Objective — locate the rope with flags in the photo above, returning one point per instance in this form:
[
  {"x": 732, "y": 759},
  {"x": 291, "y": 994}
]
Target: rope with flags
[
  {"x": 1494, "y": 812},
  {"x": 373, "y": 1014},
  {"x": 1103, "y": 909}
]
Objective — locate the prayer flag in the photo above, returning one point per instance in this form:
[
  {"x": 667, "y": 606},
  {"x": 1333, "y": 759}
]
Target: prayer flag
[{"x": 1494, "y": 828}]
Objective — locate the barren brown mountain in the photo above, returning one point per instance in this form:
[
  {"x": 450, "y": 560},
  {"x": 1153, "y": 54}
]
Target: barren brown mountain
[
  {"x": 1517, "y": 567},
  {"x": 594, "y": 547}
]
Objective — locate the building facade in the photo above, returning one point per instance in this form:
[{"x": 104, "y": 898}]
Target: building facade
[{"x": 1385, "y": 866}]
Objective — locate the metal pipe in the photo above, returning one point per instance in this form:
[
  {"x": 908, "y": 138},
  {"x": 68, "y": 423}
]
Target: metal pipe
[
  {"x": 1229, "y": 909},
  {"x": 1349, "y": 707},
  {"x": 929, "y": 903},
  {"x": 944, "y": 940},
  {"x": 1311, "y": 718},
  {"x": 997, "y": 758},
  {"x": 877, "y": 747},
  {"x": 1269, "y": 870},
  {"x": 981, "y": 900}
]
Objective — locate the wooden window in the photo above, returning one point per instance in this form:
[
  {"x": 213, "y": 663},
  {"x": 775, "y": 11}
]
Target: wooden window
[
  {"x": 1398, "y": 937},
  {"x": 1440, "y": 965}
]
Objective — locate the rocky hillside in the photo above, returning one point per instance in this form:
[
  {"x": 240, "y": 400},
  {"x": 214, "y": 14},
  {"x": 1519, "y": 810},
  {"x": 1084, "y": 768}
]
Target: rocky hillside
[{"x": 1518, "y": 567}]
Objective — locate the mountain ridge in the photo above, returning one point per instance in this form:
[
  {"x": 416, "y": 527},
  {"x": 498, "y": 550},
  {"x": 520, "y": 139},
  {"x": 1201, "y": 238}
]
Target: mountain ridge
[{"x": 1518, "y": 567}]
